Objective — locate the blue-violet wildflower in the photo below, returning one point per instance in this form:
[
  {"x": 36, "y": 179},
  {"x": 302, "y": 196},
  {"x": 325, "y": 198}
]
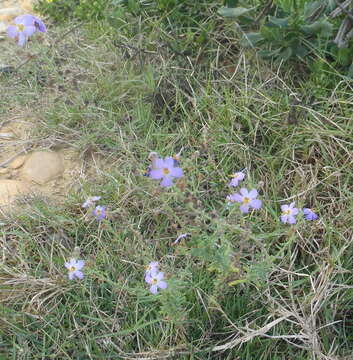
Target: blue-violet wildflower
[
  {"x": 309, "y": 214},
  {"x": 90, "y": 201},
  {"x": 165, "y": 170},
  {"x": 100, "y": 212},
  {"x": 247, "y": 199},
  {"x": 75, "y": 266},
  {"x": 289, "y": 212},
  {"x": 236, "y": 178},
  {"x": 155, "y": 279}
]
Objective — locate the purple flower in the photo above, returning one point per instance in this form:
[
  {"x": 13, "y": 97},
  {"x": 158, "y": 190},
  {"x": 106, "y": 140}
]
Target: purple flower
[
  {"x": 24, "y": 28},
  {"x": 156, "y": 280},
  {"x": 247, "y": 199},
  {"x": 309, "y": 214},
  {"x": 99, "y": 212},
  {"x": 288, "y": 213},
  {"x": 152, "y": 267},
  {"x": 75, "y": 266},
  {"x": 38, "y": 23},
  {"x": 236, "y": 178},
  {"x": 90, "y": 201},
  {"x": 181, "y": 236},
  {"x": 165, "y": 170}
]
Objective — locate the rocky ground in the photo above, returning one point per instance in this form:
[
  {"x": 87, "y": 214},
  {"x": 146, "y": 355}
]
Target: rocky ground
[{"x": 26, "y": 168}]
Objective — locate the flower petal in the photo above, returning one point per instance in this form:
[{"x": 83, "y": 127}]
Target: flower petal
[
  {"x": 292, "y": 204},
  {"x": 291, "y": 219},
  {"x": 256, "y": 203},
  {"x": 29, "y": 30},
  {"x": 162, "y": 285},
  {"x": 154, "y": 289},
  {"x": 21, "y": 39},
  {"x": 12, "y": 31},
  {"x": 156, "y": 174},
  {"x": 157, "y": 163},
  {"x": 160, "y": 275},
  {"x": 176, "y": 172},
  {"x": 295, "y": 211},
  {"x": 148, "y": 278},
  {"x": 244, "y": 192},
  {"x": 244, "y": 208},
  {"x": 71, "y": 275},
  {"x": 166, "y": 182},
  {"x": 284, "y": 207},
  {"x": 234, "y": 182},
  {"x": 284, "y": 219},
  {"x": 25, "y": 19},
  {"x": 253, "y": 194},
  {"x": 39, "y": 25},
  {"x": 79, "y": 274},
  {"x": 235, "y": 198},
  {"x": 169, "y": 162},
  {"x": 80, "y": 264}
]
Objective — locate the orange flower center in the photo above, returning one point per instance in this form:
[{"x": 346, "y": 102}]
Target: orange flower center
[
  {"x": 20, "y": 27},
  {"x": 246, "y": 200},
  {"x": 166, "y": 171}
]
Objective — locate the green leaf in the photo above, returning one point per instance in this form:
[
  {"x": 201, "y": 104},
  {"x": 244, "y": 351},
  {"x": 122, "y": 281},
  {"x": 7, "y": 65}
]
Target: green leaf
[
  {"x": 285, "y": 54},
  {"x": 233, "y": 12},
  {"x": 277, "y": 22},
  {"x": 319, "y": 28},
  {"x": 251, "y": 39},
  {"x": 314, "y": 8},
  {"x": 267, "y": 54},
  {"x": 300, "y": 51}
]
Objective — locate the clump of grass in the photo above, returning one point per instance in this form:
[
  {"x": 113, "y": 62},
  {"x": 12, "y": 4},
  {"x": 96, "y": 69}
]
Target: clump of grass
[{"x": 240, "y": 286}]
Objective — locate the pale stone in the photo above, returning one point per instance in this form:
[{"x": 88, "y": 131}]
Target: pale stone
[
  {"x": 3, "y": 28},
  {"x": 8, "y": 14},
  {"x": 3, "y": 171},
  {"x": 10, "y": 189},
  {"x": 43, "y": 166},
  {"x": 17, "y": 163},
  {"x": 5, "y": 135}
]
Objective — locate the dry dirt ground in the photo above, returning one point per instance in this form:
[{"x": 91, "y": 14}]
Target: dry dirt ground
[{"x": 26, "y": 167}]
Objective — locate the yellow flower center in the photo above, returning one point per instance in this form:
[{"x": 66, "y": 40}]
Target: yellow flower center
[
  {"x": 154, "y": 281},
  {"x": 287, "y": 212},
  {"x": 20, "y": 27},
  {"x": 235, "y": 175},
  {"x": 166, "y": 171},
  {"x": 246, "y": 200},
  {"x": 72, "y": 268}
]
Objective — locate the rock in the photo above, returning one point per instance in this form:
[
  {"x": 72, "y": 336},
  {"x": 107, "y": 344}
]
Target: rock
[
  {"x": 43, "y": 166},
  {"x": 10, "y": 189},
  {"x": 3, "y": 171},
  {"x": 3, "y": 27},
  {"x": 6, "y": 135},
  {"x": 17, "y": 163},
  {"x": 8, "y": 14},
  {"x": 6, "y": 69}
]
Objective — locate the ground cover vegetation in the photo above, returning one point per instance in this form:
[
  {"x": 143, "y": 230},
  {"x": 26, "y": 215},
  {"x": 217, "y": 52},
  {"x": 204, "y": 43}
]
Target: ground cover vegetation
[{"x": 217, "y": 223}]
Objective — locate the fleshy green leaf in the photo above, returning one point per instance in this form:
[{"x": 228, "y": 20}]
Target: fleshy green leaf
[
  {"x": 251, "y": 38},
  {"x": 321, "y": 28},
  {"x": 277, "y": 22},
  {"x": 233, "y": 12}
]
